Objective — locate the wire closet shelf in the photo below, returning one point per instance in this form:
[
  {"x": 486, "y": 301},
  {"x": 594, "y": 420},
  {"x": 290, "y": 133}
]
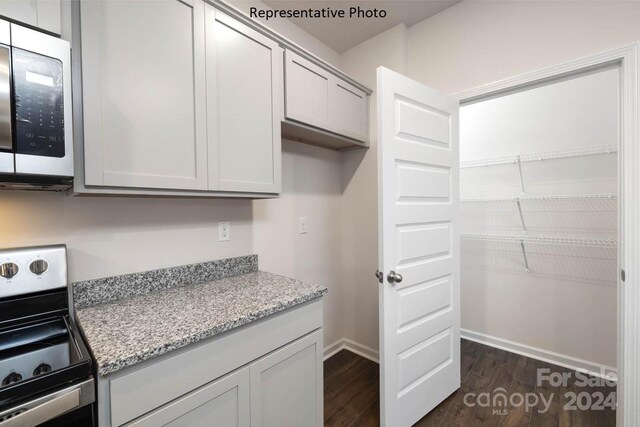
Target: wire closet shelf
[
  {"x": 573, "y": 152},
  {"x": 609, "y": 196},
  {"x": 539, "y": 240}
]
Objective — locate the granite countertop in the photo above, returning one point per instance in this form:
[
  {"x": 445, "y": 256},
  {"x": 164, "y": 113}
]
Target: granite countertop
[{"x": 127, "y": 331}]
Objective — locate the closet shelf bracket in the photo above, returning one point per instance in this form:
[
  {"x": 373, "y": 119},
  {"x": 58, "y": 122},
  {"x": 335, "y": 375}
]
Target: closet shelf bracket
[
  {"x": 524, "y": 227},
  {"x": 519, "y": 163},
  {"x": 524, "y": 257}
]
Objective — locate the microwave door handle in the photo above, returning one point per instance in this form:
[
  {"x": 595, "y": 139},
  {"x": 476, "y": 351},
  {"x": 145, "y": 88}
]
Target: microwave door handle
[{"x": 6, "y": 140}]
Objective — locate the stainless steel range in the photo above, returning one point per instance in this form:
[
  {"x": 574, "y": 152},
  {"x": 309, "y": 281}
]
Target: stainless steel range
[{"x": 45, "y": 366}]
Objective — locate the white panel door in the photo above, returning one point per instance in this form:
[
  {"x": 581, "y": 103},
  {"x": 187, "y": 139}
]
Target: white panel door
[
  {"x": 143, "y": 82},
  {"x": 419, "y": 249},
  {"x": 244, "y": 106}
]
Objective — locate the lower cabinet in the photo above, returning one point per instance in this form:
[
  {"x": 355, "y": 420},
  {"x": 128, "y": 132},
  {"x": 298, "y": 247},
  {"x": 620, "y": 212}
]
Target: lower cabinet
[
  {"x": 223, "y": 403},
  {"x": 284, "y": 386},
  {"x": 278, "y": 390},
  {"x": 265, "y": 374}
]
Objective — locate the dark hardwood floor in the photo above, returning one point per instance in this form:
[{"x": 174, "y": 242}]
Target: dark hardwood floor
[{"x": 351, "y": 393}]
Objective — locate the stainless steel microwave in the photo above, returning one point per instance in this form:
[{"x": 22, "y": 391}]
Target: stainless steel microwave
[{"x": 36, "y": 141}]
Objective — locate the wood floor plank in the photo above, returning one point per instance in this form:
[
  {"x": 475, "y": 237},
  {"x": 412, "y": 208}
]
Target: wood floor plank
[
  {"x": 370, "y": 417},
  {"x": 360, "y": 403},
  {"x": 469, "y": 352},
  {"x": 333, "y": 385},
  {"x": 435, "y": 417},
  {"x": 339, "y": 364},
  {"x": 547, "y": 412},
  {"x": 501, "y": 380},
  {"x": 363, "y": 379},
  {"x": 459, "y": 413}
]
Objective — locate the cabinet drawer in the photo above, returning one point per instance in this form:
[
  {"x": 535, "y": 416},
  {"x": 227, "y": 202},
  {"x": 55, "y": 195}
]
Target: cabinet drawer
[
  {"x": 226, "y": 401},
  {"x": 149, "y": 385}
]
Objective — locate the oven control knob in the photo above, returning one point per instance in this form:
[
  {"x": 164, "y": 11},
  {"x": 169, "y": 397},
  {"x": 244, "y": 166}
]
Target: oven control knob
[
  {"x": 42, "y": 368},
  {"x": 13, "y": 377},
  {"x": 8, "y": 270},
  {"x": 38, "y": 266}
]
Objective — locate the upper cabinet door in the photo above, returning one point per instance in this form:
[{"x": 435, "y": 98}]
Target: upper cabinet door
[
  {"x": 44, "y": 14},
  {"x": 143, "y": 76},
  {"x": 318, "y": 98},
  {"x": 349, "y": 110},
  {"x": 244, "y": 106},
  {"x": 308, "y": 90}
]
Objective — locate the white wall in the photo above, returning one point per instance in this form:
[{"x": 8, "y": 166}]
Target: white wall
[
  {"x": 479, "y": 42},
  {"x": 311, "y": 188},
  {"x": 107, "y": 236},
  {"x": 360, "y": 199}
]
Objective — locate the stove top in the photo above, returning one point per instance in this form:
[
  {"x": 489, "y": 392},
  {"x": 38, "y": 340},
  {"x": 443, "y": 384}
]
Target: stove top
[{"x": 41, "y": 349}]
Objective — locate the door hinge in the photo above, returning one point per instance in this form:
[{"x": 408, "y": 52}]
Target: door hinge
[{"x": 623, "y": 275}]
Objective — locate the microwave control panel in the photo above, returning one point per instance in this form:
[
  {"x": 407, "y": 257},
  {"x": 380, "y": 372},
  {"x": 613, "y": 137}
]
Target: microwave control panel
[{"x": 39, "y": 104}]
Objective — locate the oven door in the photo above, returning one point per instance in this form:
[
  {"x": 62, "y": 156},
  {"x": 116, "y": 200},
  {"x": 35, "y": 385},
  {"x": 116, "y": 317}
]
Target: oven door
[
  {"x": 6, "y": 138},
  {"x": 71, "y": 406}
]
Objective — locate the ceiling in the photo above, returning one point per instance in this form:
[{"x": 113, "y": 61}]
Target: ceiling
[{"x": 341, "y": 34}]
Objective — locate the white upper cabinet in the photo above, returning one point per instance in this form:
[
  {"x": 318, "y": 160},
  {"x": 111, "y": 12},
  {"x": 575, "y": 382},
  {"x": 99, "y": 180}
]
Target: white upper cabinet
[
  {"x": 143, "y": 78},
  {"x": 180, "y": 97},
  {"x": 308, "y": 92},
  {"x": 43, "y": 14},
  {"x": 244, "y": 106},
  {"x": 318, "y": 98},
  {"x": 350, "y": 112}
]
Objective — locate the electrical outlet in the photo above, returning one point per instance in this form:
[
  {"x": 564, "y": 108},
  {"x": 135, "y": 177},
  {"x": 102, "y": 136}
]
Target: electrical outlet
[
  {"x": 302, "y": 228},
  {"x": 224, "y": 231}
]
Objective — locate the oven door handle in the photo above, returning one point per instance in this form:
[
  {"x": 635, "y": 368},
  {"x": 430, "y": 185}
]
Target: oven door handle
[{"x": 49, "y": 407}]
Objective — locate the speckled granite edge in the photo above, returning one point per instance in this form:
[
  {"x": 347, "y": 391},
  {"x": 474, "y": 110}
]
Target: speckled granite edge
[
  {"x": 100, "y": 291},
  {"x": 110, "y": 367}
]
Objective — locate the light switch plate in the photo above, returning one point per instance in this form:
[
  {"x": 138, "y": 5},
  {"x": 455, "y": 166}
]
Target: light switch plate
[
  {"x": 302, "y": 228},
  {"x": 224, "y": 231}
]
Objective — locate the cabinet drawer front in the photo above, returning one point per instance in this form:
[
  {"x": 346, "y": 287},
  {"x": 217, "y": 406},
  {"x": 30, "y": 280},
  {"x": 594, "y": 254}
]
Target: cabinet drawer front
[
  {"x": 350, "y": 112},
  {"x": 223, "y": 403},
  {"x": 144, "y": 94},
  {"x": 308, "y": 92},
  {"x": 151, "y": 384},
  {"x": 286, "y": 386},
  {"x": 244, "y": 106}
]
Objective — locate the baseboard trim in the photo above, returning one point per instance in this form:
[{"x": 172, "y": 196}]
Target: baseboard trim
[
  {"x": 352, "y": 346},
  {"x": 574, "y": 363}
]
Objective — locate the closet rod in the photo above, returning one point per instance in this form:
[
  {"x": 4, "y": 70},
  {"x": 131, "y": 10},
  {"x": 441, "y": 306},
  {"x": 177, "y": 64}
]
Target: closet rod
[
  {"x": 564, "y": 241},
  {"x": 573, "y": 152},
  {"x": 542, "y": 198}
]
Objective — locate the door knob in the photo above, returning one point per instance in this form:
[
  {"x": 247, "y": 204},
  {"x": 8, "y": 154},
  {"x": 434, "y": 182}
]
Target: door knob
[
  {"x": 394, "y": 277},
  {"x": 379, "y": 275}
]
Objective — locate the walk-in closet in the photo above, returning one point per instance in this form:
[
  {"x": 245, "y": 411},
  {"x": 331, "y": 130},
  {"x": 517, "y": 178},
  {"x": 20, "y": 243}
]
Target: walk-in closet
[{"x": 539, "y": 219}]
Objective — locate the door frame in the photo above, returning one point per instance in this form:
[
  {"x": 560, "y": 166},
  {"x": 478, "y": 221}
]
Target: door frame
[{"x": 628, "y": 328}]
